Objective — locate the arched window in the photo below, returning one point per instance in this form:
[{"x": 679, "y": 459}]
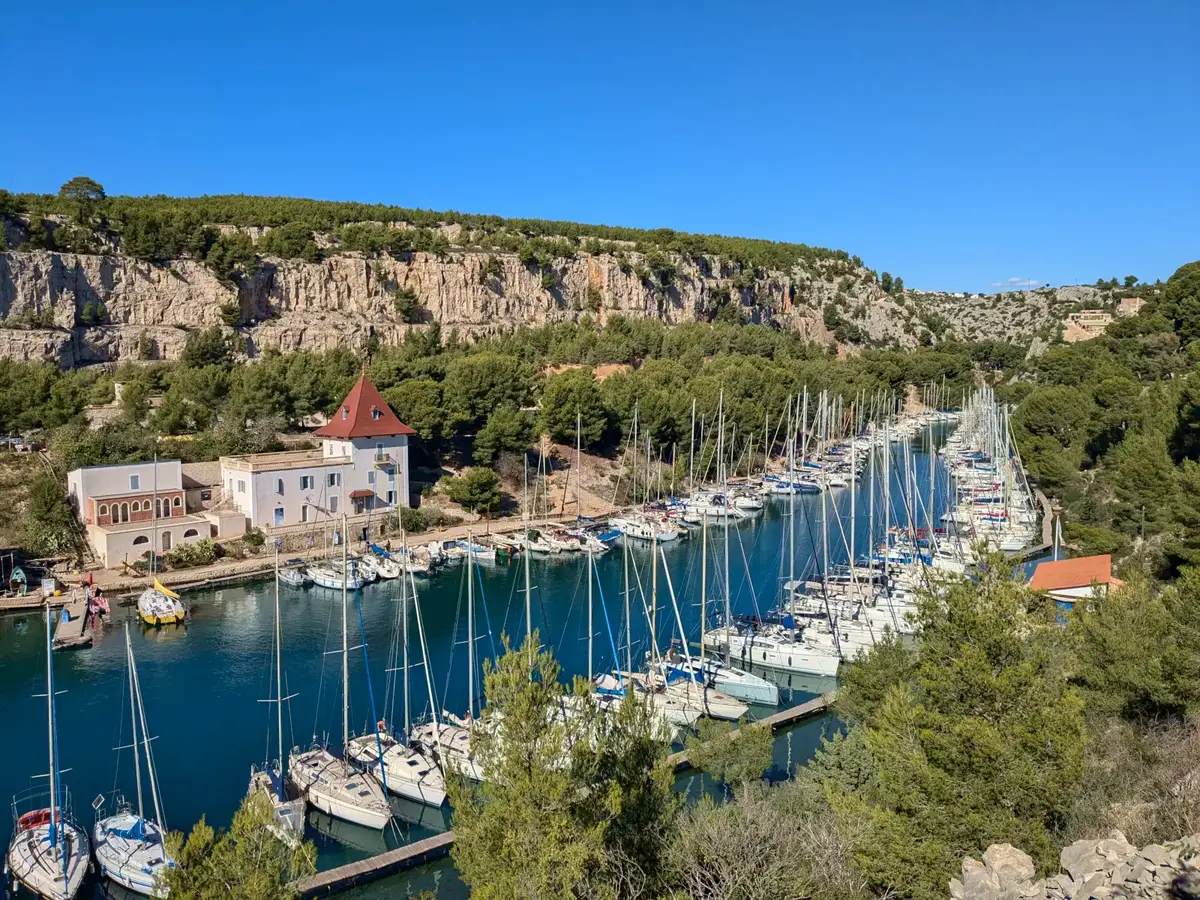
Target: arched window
[
  {"x": 191, "y": 532},
  {"x": 175, "y": 502},
  {"x": 141, "y": 539},
  {"x": 146, "y": 505},
  {"x": 103, "y": 511},
  {"x": 125, "y": 511}
]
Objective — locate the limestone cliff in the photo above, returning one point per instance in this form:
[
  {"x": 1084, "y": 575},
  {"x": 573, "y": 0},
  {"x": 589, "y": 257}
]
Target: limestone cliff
[{"x": 345, "y": 298}]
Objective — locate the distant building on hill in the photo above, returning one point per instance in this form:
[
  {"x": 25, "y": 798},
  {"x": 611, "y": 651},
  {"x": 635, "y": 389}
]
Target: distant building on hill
[
  {"x": 1130, "y": 306},
  {"x": 1086, "y": 324},
  {"x": 360, "y": 467},
  {"x": 1068, "y": 581}
]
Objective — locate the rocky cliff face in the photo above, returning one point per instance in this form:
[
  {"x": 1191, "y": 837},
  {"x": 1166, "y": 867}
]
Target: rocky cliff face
[{"x": 346, "y": 298}]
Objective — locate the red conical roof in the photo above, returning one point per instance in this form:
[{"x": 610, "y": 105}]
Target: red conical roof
[{"x": 363, "y": 414}]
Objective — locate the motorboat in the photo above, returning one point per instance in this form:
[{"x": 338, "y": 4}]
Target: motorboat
[{"x": 294, "y": 574}]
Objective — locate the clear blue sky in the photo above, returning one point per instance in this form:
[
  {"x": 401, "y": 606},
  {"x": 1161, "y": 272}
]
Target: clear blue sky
[{"x": 959, "y": 144}]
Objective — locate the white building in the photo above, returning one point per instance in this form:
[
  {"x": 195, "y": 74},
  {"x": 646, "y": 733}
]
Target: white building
[
  {"x": 361, "y": 466},
  {"x": 127, "y": 509}
]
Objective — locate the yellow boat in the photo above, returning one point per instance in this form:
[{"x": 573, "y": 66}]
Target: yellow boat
[{"x": 159, "y": 605}]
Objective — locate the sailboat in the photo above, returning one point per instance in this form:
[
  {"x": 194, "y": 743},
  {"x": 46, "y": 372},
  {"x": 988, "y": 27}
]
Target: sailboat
[
  {"x": 710, "y": 672},
  {"x": 269, "y": 780},
  {"x": 405, "y": 770},
  {"x": 157, "y": 605},
  {"x": 328, "y": 782},
  {"x": 129, "y": 847},
  {"x": 48, "y": 854},
  {"x": 449, "y": 740}
]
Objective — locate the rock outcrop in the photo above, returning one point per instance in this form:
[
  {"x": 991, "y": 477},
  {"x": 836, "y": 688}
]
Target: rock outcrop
[
  {"x": 1091, "y": 870},
  {"x": 346, "y": 299}
]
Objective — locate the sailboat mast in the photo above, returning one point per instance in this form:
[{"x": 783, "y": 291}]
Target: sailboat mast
[
  {"x": 591, "y": 630},
  {"x": 404, "y": 638},
  {"x": 158, "y": 813},
  {"x": 528, "y": 597},
  {"x": 791, "y": 502},
  {"x": 137, "y": 763},
  {"x": 853, "y": 491},
  {"x": 154, "y": 528},
  {"x": 279, "y": 673},
  {"x": 653, "y": 603},
  {"x": 345, "y": 644},
  {"x": 470, "y": 632},
  {"x": 691, "y": 450},
  {"x": 53, "y": 757},
  {"x": 725, "y": 511},
  {"x": 628, "y": 622},
  {"x": 703, "y": 584},
  {"x": 578, "y": 463},
  {"x": 437, "y": 728}
]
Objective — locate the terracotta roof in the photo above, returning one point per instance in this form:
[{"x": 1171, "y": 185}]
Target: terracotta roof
[
  {"x": 1073, "y": 573},
  {"x": 363, "y": 414},
  {"x": 361, "y": 494}
]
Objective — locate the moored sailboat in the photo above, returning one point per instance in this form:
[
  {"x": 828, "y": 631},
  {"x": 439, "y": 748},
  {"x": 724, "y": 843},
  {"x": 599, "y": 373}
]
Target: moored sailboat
[
  {"x": 130, "y": 847},
  {"x": 48, "y": 854},
  {"x": 326, "y": 780},
  {"x": 271, "y": 780}
]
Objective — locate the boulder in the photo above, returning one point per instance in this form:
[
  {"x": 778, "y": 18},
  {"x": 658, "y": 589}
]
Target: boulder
[
  {"x": 1082, "y": 860},
  {"x": 1009, "y": 863}
]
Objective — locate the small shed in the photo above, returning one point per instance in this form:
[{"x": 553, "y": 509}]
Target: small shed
[{"x": 1068, "y": 581}]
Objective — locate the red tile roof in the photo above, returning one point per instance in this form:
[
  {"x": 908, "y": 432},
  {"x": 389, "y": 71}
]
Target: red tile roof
[
  {"x": 1073, "y": 573},
  {"x": 361, "y": 494},
  {"x": 363, "y": 414}
]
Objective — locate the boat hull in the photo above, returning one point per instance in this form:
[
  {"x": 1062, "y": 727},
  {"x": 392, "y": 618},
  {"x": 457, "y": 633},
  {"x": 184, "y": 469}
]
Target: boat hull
[{"x": 40, "y": 872}]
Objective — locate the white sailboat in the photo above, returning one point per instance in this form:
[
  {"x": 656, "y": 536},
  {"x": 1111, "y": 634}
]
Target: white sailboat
[
  {"x": 712, "y": 673},
  {"x": 129, "y": 847},
  {"x": 404, "y": 770},
  {"x": 449, "y": 739},
  {"x": 328, "y": 782},
  {"x": 48, "y": 854},
  {"x": 271, "y": 779}
]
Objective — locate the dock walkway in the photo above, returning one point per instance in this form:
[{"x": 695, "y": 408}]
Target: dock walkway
[
  {"x": 333, "y": 881},
  {"x": 72, "y": 628}
]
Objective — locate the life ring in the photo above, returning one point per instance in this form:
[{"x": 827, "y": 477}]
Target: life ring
[{"x": 33, "y": 819}]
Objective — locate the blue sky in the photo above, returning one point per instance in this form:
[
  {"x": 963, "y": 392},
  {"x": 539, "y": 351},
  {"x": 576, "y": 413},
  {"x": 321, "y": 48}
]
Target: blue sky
[{"x": 958, "y": 144}]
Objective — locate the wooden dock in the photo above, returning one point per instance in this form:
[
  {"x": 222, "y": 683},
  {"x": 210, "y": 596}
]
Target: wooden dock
[
  {"x": 31, "y": 602},
  {"x": 345, "y": 877},
  {"x": 323, "y": 884},
  {"x": 775, "y": 721},
  {"x": 73, "y": 630}
]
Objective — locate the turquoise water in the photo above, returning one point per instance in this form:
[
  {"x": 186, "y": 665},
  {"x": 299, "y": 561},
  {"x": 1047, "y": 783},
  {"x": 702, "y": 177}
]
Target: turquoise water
[{"x": 202, "y": 682}]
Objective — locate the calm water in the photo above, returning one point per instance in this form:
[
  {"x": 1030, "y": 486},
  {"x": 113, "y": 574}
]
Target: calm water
[{"x": 202, "y": 683}]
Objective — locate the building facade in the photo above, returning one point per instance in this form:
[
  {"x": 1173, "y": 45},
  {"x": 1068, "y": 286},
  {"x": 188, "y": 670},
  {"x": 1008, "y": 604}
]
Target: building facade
[
  {"x": 360, "y": 467},
  {"x": 128, "y": 509}
]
